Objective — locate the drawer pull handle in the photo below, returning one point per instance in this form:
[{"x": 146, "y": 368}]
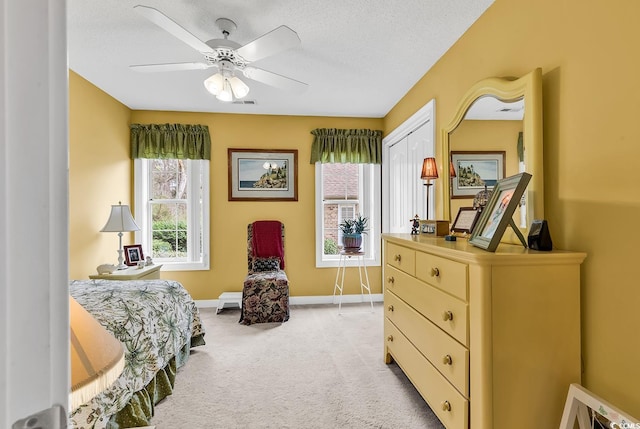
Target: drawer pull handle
[
  {"x": 397, "y": 258},
  {"x": 435, "y": 272},
  {"x": 447, "y": 360},
  {"x": 446, "y": 406},
  {"x": 447, "y": 315},
  {"x": 391, "y": 308},
  {"x": 391, "y": 280},
  {"x": 390, "y": 338}
]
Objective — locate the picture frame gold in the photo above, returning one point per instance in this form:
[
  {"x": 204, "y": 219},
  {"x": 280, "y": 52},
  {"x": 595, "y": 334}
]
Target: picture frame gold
[{"x": 498, "y": 212}]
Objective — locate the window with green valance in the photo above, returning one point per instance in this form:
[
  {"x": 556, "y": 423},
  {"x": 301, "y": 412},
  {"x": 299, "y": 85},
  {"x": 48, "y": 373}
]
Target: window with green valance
[
  {"x": 177, "y": 141},
  {"x": 331, "y": 145}
]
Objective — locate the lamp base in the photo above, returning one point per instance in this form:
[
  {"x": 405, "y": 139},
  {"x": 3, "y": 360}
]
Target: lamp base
[{"x": 122, "y": 267}]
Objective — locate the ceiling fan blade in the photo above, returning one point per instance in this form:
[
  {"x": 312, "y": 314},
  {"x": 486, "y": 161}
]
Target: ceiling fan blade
[
  {"x": 274, "y": 79},
  {"x": 169, "y": 25},
  {"x": 149, "y": 68},
  {"x": 277, "y": 40}
]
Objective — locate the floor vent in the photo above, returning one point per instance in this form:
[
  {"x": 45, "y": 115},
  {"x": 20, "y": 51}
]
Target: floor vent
[{"x": 244, "y": 102}]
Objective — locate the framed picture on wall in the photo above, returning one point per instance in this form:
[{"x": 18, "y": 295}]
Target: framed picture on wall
[
  {"x": 475, "y": 170},
  {"x": 498, "y": 212},
  {"x": 133, "y": 254},
  {"x": 263, "y": 175}
]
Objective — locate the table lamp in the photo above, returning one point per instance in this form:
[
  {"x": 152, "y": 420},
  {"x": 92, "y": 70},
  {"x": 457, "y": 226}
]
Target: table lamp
[
  {"x": 429, "y": 172},
  {"x": 120, "y": 220},
  {"x": 97, "y": 357}
]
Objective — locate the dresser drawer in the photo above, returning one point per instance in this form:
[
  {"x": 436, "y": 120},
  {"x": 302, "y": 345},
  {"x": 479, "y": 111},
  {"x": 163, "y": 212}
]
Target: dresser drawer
[
  {"x": 402, "y": 258},
  {"x": 445, "y": 274},
  {"x": 449, "y": 313},
  {"x": 445, "y": 354},
  {"x": 445, "y": 401}
]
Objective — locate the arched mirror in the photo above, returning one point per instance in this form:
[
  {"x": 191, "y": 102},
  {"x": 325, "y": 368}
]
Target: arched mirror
[{"x": 496, "y": 133}]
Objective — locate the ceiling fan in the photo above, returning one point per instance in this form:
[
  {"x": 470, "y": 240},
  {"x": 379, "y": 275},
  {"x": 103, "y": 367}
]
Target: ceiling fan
[{"x": 227, "y": 56}]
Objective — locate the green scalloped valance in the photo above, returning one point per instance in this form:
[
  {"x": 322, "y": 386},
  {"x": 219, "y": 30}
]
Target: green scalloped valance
[
  {"x": 174, "y": 141},
  {"x": 331, "y": 145}
]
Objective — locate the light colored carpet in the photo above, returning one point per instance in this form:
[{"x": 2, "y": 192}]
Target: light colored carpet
[{"x": 318, "y": 370}]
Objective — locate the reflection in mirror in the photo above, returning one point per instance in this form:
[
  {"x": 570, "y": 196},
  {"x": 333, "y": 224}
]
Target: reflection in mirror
[{"x": 496, "y": 133}]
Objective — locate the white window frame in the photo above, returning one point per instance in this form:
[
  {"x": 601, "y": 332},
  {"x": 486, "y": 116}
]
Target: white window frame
[
  {"x": 370, "y": 207},
  {"x": 198, "y": 170}
]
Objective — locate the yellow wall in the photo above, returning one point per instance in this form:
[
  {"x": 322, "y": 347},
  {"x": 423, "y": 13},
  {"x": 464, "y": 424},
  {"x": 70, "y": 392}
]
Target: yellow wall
[
  {"x": 588, "y": 54},
  {"x": 101, "y": 175}
]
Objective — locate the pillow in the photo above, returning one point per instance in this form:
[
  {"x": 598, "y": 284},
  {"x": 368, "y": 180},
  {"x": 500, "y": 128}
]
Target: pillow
[{"x": 266, "y": 264}]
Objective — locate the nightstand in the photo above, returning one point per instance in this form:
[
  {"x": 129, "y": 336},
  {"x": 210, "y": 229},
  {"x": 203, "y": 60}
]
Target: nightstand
[{"x": 132, "y": 273}]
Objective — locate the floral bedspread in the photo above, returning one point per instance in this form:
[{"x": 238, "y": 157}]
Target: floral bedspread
[{"x": 154, "y": 319}]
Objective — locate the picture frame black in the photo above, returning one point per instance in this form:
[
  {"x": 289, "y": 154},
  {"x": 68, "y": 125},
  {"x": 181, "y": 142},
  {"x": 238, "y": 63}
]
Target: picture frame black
[
  {"x": 498, "y": 212},
  {"x": 133, "y": 254},
  {"x": 466, "y": 220}
]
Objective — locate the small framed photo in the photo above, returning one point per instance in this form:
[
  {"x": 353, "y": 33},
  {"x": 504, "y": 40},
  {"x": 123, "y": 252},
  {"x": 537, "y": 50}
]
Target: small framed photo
[
  {"x": 133, "y": 254},
  {"x": 465, "y": 220},
  {"x": 437, "y": 228},
  {"x": 499, "y": 211}
]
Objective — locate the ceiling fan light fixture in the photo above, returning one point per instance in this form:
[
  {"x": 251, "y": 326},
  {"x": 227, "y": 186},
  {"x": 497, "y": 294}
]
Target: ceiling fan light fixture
[
  {"x": 214, "y": 84},
  {"x": 240, "y": 89},
  {"x": 225, "y": 94}
]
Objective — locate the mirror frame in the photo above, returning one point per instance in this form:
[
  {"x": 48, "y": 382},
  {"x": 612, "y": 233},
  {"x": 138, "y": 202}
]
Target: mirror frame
[{"x": 509, "y": 90}]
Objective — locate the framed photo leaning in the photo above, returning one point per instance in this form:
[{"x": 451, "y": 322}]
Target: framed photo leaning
[
  {"x": 498, "y": 212},
  {"x": 475, "y": 170},
  {"x": 133, "y": 254},
  {"x": 465, "y": 220},
  {"x": 258, "y": 175}
]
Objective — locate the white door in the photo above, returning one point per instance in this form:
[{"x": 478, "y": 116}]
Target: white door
[
  {"x": 403, "y": 192},
  {"x": 34, "y": 327}
]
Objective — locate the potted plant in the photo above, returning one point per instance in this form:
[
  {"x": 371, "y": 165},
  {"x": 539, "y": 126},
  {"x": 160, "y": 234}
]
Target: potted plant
[{"x": 352, "y": 230}]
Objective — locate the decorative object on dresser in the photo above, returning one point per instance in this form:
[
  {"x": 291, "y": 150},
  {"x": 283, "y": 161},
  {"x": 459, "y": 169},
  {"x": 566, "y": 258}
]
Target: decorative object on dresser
[
  {"x": 539, "y": 237},
  {"x": 465, "y": 220},
  {"x": 472, "y": 330},
  {"x": 499, "y": 213},
  {"x": 436, "y": 228},
  {"x": 120, "y": 220}
]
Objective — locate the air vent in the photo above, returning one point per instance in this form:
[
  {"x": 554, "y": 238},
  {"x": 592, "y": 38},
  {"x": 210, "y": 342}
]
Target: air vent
[{"x": 244, "y": 102}]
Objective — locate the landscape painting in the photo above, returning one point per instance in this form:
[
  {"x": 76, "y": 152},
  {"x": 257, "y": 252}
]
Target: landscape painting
[
  {"x": 475, "y": 171},
  {"x": 256, "y": 174}
]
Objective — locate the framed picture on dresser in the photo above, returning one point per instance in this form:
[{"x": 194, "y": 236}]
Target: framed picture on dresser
[
  {"x": 498, "y": 212},
  {"x": 133, "y": 254}
]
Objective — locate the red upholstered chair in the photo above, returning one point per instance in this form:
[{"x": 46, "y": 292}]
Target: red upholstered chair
[{"x": 265, "y": 294}]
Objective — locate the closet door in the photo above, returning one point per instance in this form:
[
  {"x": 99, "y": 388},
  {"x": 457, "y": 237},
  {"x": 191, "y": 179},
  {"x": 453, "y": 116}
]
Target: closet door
[{"x": 398, "y": 183}]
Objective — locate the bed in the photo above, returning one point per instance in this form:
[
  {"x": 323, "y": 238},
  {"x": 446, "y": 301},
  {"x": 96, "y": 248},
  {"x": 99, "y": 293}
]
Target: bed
[{"x": 158, "y": 323}]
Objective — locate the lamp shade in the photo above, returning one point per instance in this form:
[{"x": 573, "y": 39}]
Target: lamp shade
[
  {"x": 97, "y": 357},
  {"x": 452, "y": 170},
  {"x": 429, "y": 169},
  {"x": 120, "y": 220}
]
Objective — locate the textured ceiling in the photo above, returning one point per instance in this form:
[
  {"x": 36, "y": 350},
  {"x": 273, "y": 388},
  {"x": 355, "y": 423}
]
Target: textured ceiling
[{"x": 359, "y": 58}]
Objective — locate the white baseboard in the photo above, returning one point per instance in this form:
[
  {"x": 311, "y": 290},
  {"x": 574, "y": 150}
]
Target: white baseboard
[{"x": 307, "y": 300}]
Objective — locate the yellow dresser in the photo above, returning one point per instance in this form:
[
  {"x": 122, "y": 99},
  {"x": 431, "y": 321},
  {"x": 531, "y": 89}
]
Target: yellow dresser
[{"x": 490, "y": 340}]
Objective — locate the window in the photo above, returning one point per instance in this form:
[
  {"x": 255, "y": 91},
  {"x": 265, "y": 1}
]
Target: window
[
  {"x": 342, "y": 192},
  {"x": 172, "y": 210}
]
